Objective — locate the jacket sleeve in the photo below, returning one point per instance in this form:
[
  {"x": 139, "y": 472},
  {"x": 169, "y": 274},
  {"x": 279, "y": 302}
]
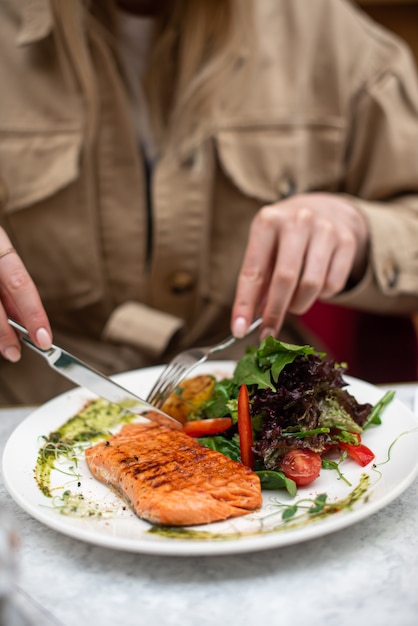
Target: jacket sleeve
[{"x": 382, "y": 181}]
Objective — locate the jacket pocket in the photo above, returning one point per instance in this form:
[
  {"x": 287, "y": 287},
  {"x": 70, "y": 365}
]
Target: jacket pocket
[
  {"x": 272, "y": 162},
  {"x": 48, "y": 212},
  {"x": 33, "y": 167}
]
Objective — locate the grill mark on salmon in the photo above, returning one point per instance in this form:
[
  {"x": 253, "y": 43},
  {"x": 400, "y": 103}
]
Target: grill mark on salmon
[{"x": 169, "y": 478}]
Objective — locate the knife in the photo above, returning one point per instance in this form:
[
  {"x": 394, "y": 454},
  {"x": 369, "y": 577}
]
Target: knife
[{"x": 85, "y": 376}]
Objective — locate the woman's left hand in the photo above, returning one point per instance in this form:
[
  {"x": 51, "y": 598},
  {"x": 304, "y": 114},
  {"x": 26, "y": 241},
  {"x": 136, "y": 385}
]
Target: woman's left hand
[{"x": 300, "y": 249}]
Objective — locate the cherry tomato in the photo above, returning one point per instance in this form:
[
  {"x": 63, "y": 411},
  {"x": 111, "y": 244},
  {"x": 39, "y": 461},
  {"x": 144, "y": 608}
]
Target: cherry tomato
[
  {"x": 301, "y": 465},
  {"x": 203, "y": 428}
]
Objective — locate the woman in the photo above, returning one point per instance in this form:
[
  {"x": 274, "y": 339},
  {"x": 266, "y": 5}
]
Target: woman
[{"x": 167, "y": 178}]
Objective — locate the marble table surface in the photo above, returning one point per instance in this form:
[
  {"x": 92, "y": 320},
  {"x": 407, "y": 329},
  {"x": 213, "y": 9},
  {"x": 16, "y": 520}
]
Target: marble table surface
[{"x": 366, "y": 574}]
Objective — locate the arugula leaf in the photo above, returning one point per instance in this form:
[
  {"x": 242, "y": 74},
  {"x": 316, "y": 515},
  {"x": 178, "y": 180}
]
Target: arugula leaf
[
  {"x": 272, "y": 480},
  {"x": 221, "y": 444},
  {"x": 248, "y": 372},
  {"x": 275, "y": 355},
  {"x": 221, "y": 400},
  {"x": 262, "y": 366}
]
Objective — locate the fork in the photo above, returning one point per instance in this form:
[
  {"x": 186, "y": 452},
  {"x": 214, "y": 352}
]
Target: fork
[{"x": 182, "y": 364}]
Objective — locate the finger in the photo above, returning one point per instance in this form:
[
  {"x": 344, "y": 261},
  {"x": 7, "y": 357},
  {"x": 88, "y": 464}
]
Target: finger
[
  {"x": 319, "y": 253},
  {"x": 255, "y": 273},
  {"x": 340, "y": 266},
  {"x": 293, "y": 244},
  {"x": 21, "y": 300},
  {"x": 10, "y": 346}
]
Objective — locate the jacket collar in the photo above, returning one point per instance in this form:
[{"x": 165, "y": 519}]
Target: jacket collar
[{"x": 37, "y": 21}]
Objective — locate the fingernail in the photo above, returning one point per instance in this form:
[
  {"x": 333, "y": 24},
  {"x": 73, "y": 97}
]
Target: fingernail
[
  {"x": 240, "y": 327},
  {"x": 266, "y": 332},
  {"x": 43, "y": 338},
  {"x": 12, "y": 354}
]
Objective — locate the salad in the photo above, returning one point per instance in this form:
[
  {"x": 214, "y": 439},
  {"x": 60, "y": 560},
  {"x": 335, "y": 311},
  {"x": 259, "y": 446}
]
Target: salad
[{"x": 285, "y": 413}]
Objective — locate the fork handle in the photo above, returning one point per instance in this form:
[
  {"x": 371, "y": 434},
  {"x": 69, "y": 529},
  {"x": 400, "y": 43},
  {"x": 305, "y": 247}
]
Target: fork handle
[
  {"x": 255, "y": 324},
  {"x": 230, "y": 340}
]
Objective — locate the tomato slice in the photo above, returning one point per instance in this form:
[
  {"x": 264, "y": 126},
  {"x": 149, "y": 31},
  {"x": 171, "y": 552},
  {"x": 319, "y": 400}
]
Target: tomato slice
[
  {"x": 245, "y": 428},
  {"x": 361, "y": 453},
  {"x": 202, "y": 428},
  {"x": 301, "y": 465}
]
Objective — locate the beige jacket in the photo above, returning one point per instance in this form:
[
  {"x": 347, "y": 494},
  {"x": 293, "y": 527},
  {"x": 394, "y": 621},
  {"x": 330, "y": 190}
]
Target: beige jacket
[{"x": 333, "y": 105}]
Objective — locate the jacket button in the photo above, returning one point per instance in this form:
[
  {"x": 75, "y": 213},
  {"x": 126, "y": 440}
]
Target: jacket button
[
  {"x": 190, "y": 162},
  {"x": 391, "y": 273},
  {"x": 181, "y": 282},
  {"x": 285, "y": 187}
]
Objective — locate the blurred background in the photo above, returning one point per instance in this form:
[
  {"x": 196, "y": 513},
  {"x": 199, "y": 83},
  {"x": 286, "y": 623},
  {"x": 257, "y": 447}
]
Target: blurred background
[{"x": 378, "y": 348}]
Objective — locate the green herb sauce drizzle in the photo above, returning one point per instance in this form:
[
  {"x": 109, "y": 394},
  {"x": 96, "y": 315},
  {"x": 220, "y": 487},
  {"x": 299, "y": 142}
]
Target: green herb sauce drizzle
[{"x": 92, "y": 423}]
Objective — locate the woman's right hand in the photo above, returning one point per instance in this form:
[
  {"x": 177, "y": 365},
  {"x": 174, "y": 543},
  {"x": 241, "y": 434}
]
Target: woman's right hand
[
  {"x": 299, "y": 250},
  {"x": 20, "y": 300}
]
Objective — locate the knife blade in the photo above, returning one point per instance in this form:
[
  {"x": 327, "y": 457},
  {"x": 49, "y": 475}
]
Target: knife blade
[{"x": 85, "y": 376}]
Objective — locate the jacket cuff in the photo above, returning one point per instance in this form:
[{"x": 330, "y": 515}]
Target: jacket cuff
[{"x": 145, "y": 328}]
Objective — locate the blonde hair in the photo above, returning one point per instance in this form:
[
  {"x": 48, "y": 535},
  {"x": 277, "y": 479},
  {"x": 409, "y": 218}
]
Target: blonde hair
[{"x": 198, "y": 44}]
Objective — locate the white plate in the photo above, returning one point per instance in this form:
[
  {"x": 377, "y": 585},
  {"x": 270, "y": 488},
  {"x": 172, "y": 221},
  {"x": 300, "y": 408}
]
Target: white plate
[{"x": 396, "y": 465}]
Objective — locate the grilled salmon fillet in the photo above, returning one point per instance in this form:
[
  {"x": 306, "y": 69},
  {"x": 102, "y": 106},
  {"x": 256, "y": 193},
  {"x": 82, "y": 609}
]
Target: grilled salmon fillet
[{"x": 169, "y": 478}]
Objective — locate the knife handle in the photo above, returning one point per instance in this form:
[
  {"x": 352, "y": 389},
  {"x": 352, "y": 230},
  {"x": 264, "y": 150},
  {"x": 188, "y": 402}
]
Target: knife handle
[{"x": 24, "y": 336}]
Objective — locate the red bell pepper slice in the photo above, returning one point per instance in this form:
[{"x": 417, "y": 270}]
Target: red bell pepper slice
[
  {"x": 245, "y": 428},
  {"x": 359, "y": 453},
  {"x": 206, "y": 427}
]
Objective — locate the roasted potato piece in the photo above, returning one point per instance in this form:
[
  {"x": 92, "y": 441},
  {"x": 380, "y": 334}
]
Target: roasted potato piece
[{"x": 188, "y": 397}]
